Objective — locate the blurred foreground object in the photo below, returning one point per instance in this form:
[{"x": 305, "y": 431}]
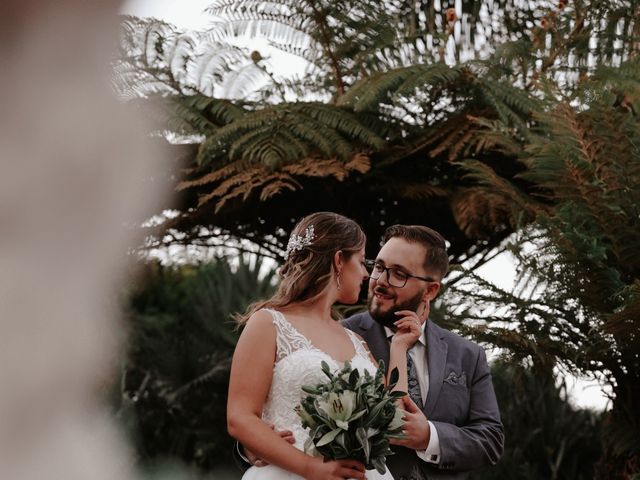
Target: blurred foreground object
[{"x": 71, "y": 189}]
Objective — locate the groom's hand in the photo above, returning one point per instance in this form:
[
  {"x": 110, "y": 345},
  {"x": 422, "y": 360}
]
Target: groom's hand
[
  {"x": 255, "y": 460},
  {"x": 416, "y": 427}
]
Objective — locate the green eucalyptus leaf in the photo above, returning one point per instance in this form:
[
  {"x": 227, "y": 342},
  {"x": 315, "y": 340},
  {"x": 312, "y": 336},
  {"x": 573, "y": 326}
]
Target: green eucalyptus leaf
[
  {"x": 379, "y": 465},
  {"x": 354, "y": 377},
  {"x": 361, "y": 435},
  {"x": 311, "y": 390},
  {"x": 397, "y": 394},
  {"x": 393, "y": 378},
  {"x": 328, "y": 437},
  {"x": 357, "y": 415}
]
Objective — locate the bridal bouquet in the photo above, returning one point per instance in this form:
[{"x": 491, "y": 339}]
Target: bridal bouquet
[{"x": 352, "y": 416}]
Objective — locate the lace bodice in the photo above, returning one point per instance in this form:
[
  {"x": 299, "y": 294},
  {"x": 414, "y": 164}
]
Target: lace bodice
[{"x": 297, "y": 364}]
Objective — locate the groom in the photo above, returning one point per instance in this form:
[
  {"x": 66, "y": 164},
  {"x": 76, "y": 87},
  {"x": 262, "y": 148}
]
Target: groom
[{"x": 453, "y": 423}]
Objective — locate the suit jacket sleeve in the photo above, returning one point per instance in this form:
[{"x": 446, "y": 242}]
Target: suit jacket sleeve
[{"x": 480, "y": 441}]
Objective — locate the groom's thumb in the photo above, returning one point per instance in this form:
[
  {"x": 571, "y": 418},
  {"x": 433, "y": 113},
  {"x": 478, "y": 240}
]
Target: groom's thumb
[{"x": 410, "y": 405}]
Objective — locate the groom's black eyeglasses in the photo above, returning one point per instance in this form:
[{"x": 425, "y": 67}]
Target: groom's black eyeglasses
[{"x": 396, "y": 277}]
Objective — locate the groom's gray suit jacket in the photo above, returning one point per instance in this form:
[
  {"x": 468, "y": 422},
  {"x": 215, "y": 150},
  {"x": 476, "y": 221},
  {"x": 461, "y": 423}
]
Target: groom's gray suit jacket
[{"x": 461, "y": 403}]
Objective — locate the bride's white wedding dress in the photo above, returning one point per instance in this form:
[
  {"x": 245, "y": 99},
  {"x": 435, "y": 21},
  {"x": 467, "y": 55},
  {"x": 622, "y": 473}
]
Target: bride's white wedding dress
[{"x": 297, "y": 364}]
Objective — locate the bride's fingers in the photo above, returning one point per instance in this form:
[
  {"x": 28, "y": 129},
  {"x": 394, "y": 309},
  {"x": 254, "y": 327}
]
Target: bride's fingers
[
  {"x": 287, "y": 435},
  {"x": 407, "y": 313},
  {"x": 410, "y": 322},
  {"x": 346, "y": 472},
  {"x": 353, "y": 464},
  {"x": 410, "y": 325},
  {"x": 405, "y": 322}
]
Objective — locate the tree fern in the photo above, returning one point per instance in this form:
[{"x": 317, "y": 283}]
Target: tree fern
[
  {"x": 284, "y": 133},
  {"x": 156, "y": 57},
  {"x": 578, "y": 294}
]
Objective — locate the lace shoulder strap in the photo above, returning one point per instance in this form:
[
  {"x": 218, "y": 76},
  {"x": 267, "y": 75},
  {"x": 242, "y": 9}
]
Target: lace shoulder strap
[
  {"x": 359, "y": 344},
  {"x": 288, "y": 339}
]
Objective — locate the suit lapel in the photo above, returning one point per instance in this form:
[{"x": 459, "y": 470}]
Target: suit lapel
[
  {"x": 379, "y": 344},
  {"x": 376, "y": 338},
  {"x": 437, "y": 360}
]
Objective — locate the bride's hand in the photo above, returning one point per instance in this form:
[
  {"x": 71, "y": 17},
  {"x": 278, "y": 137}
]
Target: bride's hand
[
  {"x": 318, "y": 469},
  {"x": 408, "y": 328}
]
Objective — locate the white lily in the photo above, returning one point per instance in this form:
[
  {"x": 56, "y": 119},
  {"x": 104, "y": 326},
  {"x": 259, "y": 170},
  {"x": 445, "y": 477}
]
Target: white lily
[{"x": 339, "y": 407}]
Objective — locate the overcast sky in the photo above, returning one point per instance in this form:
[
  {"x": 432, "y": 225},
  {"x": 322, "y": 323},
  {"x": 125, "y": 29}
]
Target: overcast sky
[{"x": 182, "y": 13}]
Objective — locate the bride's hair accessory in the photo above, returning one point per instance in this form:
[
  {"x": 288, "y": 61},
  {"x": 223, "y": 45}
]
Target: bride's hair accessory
[{"x": 298, "y": 242}]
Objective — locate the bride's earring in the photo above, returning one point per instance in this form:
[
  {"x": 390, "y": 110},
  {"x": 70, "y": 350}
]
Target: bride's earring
[{"x": 338, "y": 279}]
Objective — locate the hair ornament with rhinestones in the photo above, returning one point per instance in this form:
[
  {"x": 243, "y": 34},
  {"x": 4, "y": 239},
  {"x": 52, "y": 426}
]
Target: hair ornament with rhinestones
[{"x": 298, "y": 242}]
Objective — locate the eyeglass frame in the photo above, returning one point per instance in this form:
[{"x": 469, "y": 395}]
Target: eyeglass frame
[{"x": 375, "y": 264}]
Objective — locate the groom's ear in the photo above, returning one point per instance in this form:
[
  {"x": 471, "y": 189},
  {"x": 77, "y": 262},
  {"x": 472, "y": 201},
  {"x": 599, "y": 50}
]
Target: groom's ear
[{"x": 431, "y": 291}]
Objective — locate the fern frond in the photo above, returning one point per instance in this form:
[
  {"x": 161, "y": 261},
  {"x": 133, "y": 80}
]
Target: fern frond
[
  {"x": 288, "y": 132},
  {"x": 210, "y": 177},
  {"x": 420, "y": 191},
  {"x": 156, "y": 57},
  {"x": 480, "y": 214},
  {"x": 484, "y": 176}
]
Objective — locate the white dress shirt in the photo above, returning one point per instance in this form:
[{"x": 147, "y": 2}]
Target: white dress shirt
[{"x": 418, "y": 354}]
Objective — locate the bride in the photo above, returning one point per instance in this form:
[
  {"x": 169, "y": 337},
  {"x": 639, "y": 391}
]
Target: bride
[{"x": 286, "y": 338}]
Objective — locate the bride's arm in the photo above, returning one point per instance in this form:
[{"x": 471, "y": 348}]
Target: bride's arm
[
  {"x": 407, "y": 333},
  {"x": 251, "y": 375}
]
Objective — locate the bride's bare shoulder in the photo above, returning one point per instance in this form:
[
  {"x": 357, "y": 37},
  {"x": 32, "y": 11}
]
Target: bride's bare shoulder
[
  {"x": 260, "y": 319},
  {"x": 259, "y": 330}
]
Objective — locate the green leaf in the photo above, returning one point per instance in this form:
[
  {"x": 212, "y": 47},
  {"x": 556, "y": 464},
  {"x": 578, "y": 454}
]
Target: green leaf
[
  {"x": 379, "y": 465},
  {"x": 361, "y": 435},
  {"x": 354, "y": 377},
  {"x": 328, "y": 437},
  {"x": 357, "y": 415},
  {"x": 311, "y": 390},
  {"x": 393, "y": 378},
  {"x": 376, "y": 412},
  {"x": 326, "y": 369}
]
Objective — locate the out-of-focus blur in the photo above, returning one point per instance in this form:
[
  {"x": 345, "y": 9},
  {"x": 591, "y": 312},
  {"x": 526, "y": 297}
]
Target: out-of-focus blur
[{"x": 72, "y": 183}]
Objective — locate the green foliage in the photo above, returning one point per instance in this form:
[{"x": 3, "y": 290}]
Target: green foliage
[
  {"x": 174, "y": 381},
  {"x": 352, "y": 416},
  {"x": 338, "y": 39},
  {"x": 546, "y": 436},
  {"x": 578, "y": 297},
  {"x": 158, "y": 58},
  {"x": 284, "y": 133}
]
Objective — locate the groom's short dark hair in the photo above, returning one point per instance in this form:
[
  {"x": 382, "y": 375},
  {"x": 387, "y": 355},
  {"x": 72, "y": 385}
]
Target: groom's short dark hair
[{"x": 437, "y": 259}]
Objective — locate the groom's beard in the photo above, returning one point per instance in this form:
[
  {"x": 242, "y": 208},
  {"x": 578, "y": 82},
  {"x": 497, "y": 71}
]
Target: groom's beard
[{"x": 388, "y": 317}]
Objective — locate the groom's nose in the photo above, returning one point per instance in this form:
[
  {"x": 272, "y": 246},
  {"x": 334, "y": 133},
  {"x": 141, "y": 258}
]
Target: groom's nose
[{"x": 383, "y": 279}]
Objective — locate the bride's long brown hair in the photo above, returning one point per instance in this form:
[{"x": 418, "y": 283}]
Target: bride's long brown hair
[{"x": 307, "y": 272}]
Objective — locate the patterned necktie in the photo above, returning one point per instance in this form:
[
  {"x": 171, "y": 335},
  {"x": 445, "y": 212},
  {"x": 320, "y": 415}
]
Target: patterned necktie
[{"x": 414, "y": 385}]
